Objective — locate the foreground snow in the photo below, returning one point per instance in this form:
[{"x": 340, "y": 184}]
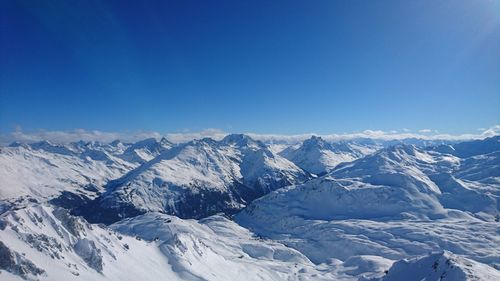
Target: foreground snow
[
  {"x": 46, "y": 243},
  {"x": 40, "y": 242}
]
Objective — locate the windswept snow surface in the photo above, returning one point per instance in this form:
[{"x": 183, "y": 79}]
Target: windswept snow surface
[{"x": 411, "y": 210}]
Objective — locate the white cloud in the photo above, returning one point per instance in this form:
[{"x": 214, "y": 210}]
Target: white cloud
[
  {"x": 382, "y": 135},
  {"x": 86, "y": 135},
  {"x": 425, "y": 131},
  {"x": 74, "y": 135},
  {"x": 187, "y": 136}
]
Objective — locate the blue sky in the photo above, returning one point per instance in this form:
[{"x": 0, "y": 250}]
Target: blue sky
[{"x": 250, "y": 66}]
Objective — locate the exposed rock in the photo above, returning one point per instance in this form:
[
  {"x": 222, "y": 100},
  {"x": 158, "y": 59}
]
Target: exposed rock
[{"x": 15, "y": 263}]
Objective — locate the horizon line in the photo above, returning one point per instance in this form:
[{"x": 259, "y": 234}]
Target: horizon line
[{"x": 67, "y": 136}]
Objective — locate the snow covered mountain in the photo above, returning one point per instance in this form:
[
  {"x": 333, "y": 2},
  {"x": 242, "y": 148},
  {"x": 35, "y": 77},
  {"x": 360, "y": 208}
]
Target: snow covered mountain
[
  {"x": 470, "y": 148},
  {"x": 145, "y": 150},
  {"x": 43, "y": 170},
  {"x": 400, "y": 181},
  {"x": 398, "y": 202},
  {"x": 422, "y": 210},
  {"x": 197, "y": 179},
  {"x": 317, "y": 156}
]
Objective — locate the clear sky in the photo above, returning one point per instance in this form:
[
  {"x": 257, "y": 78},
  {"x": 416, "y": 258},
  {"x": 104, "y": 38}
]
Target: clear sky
[{"x": 283, "y": 67}]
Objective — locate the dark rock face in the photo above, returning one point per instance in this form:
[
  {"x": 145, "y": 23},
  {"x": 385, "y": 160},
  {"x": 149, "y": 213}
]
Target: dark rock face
[
  {"x": 15, "y": 263},
  {"x": 195, "y": 203},
  {"x": 88, "y": 251},
  {"x": 192, "y": 204},
  {"x": 73, "y": 224},
  {"x": 70, "y": 200},
  {"x": 94, "y": 212}
]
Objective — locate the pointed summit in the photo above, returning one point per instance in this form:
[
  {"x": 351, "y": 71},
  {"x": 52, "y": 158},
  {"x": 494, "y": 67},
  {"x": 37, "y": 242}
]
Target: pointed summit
[
  {"x": 145, "y": 150},
  {"x": 240, "y": 140}
]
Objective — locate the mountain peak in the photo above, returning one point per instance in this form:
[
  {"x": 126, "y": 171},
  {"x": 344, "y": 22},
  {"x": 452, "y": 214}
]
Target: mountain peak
[
  {"x": 165, "y": 142},
  {"x": 315, "y": 143},
  {"x": 239, "y": 140},
  {"x": 318, "y": 156},
  {"x": 402, "y": 148},
  {"x": 116, "y": 143}
]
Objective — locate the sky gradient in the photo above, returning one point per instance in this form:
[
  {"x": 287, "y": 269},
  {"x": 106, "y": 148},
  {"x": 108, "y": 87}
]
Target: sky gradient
[{"x": 250, "y": 66}]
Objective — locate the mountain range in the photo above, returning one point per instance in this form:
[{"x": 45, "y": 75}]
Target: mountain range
[{"x": 242, "y": 209}]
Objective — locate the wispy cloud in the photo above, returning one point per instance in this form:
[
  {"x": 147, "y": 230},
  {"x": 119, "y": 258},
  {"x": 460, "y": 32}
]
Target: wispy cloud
[
  {"x": 187, "y": 136},
  {"x": 74, "y": 135},
  {"x": 94, "y": 135},
  {"x": 383, "y": 135}
]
